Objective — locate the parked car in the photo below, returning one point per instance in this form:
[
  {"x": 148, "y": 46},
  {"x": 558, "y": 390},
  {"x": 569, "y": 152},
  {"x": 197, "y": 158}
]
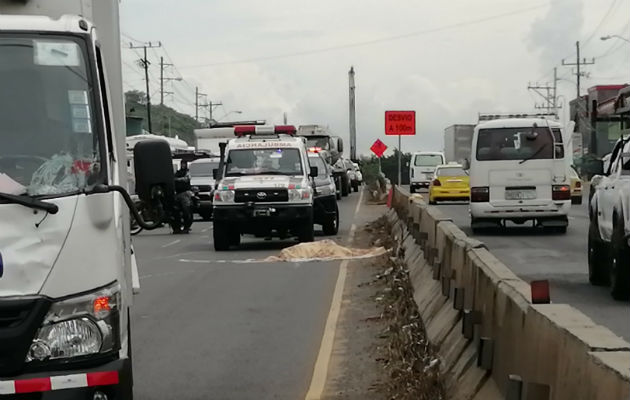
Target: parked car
[{"x": 202, "y": 181}]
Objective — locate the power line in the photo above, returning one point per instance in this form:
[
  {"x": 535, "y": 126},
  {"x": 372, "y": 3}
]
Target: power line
[
  {"x": 376, "y": 41},
  {"x": 613, "y": 3}
]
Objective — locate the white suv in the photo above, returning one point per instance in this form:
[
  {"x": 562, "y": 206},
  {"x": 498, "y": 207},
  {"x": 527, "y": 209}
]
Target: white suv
[{"x": 265, "y": 187}]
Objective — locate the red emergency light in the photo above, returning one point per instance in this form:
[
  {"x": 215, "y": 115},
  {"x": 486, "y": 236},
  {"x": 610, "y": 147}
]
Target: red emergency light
[
  {"x": 314, "y": 149},
  {"x": 286, "y": 129},
  {"x": 242, "y": 130}
]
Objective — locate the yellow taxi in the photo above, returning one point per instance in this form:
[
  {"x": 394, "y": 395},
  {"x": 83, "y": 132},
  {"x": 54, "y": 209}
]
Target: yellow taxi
[
  {"x": 450, "y": 182},
  {"x": 576, "y": 186}
]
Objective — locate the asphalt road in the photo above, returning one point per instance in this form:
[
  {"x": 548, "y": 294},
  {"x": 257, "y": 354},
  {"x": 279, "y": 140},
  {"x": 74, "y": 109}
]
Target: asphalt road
[
  {"x": 562, "y": 259},
  {"x": 206, "y": 326}
]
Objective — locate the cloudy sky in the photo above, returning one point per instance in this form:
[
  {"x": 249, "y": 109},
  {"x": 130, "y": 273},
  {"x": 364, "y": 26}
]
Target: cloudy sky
[{"x": 446, "y": 60}]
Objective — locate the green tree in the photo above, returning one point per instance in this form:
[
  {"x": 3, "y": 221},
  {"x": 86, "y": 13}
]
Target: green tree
[{"x": 166, "y": 121}]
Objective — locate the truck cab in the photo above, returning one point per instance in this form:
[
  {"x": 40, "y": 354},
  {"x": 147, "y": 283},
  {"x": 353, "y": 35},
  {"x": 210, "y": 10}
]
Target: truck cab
[
  {"x": 264, "y": 187},
  {"x": 422, "y": 169},
  {"x": 66, "y": 269}
]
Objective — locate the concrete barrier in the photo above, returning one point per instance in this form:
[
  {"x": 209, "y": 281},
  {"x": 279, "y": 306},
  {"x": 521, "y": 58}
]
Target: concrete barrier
[{"x": 494, "y": 343}]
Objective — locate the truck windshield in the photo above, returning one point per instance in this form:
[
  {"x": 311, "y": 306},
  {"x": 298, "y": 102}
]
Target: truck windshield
[
  {"x": 279, "y": 161},
  {"x": 505, "y": 144},
  {"x": 48, "y": 140},
  {"x": 202, "y": 169},
  {"x": 428, "y": 160}
]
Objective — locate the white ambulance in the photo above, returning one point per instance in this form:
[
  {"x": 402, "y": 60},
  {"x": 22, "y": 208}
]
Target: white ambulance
[{"x": 264, "y": 187}]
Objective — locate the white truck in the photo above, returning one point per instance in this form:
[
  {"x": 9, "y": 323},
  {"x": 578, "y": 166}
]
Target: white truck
[
  {"x": 458, "y": 142},
  {"x": 264, "y": 187},
  {"x": 67, "y": 274},
  {"x": 609, "y": 228}
]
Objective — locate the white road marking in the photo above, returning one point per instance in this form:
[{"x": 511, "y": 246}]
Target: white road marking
[
  {"x": 174, "y": 242},
  {"x": 318, "y": 381}
]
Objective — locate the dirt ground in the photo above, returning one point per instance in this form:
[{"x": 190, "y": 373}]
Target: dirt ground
[{"x": 379, "y": 350}]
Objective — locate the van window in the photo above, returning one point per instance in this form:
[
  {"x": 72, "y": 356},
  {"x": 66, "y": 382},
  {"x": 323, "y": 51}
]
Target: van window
[
  {"x": 428, "y": 160},
  {"x": 504, "y": 144}
]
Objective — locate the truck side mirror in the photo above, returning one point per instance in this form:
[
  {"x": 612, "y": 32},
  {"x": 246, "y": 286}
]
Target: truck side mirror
[
  {"x": 215, "y": 173},
  {"x": 313, "y": 172},
  {"x": 153, "y": 165}
]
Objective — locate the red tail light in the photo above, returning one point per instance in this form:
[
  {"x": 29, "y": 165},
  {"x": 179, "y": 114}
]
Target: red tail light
[
  {"x": 561, "y": 192},
  {"x": 480, "y": 194},
  {"x": 436, "y": 182}
]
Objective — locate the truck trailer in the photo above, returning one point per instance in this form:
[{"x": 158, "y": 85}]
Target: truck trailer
[{"x": 458, "y": 142}]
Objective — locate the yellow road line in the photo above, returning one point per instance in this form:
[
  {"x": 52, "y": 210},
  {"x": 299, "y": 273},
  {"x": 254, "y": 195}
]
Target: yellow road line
[{"x": 318, "y": 381}]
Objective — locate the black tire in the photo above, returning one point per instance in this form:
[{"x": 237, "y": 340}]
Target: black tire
[
  {"x": 221, "y": 237},
  {"x": 206, "y": 215},
  {"x": 576, "y": 200},
  {"x": 597, "y": 255},
  {"x": 338, "y": 195},
  {"x": 555, "y": 229},
  {"x": 235, "y": 238},
  {"x": 619, "y": 271},
  {"x": 345, "y": 187},
  {"x": 331, "y": 226},
  {"x": 412, "y": 189},
  {"x": 355, "y": 186},
  {"x": 306, "y": 231}
]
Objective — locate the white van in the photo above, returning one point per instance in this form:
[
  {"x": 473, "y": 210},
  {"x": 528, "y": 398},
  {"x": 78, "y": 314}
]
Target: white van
[
  {"x": 518, "y": 173},
  {"x": 422, "y": 168}
]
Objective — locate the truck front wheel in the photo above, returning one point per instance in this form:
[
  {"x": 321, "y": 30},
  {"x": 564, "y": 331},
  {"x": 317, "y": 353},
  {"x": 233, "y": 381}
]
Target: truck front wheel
[
  {"x": 220, "y": 236},
  {"x": 620, "y": 264},
  {"x": 597, "y": 257}
]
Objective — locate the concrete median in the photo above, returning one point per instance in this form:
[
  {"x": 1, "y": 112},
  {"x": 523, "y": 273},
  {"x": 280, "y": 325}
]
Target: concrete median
[{"x": 494, "y": 343}]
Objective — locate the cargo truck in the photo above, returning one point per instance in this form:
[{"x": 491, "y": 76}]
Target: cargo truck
[
  {"x": 67, "y": 273},
  {"x": 458, "y": 142}
]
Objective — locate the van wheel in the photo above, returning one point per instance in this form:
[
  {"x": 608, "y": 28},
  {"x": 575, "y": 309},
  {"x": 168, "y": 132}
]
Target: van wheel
[
  {"x": 412, "y": 189},
  {"x": 331, "y": 226},
  {"x": 620, "y": 264},
  {"x": 220, "y": 237},
  {"x": 597, "y": 257}
]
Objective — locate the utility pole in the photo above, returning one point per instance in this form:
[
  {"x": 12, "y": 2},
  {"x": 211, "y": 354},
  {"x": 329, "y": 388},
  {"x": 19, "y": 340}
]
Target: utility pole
[
  {"x": 145, "y": 64},
  {"x": 197, "y": 105},
  {"x": 162, "y": 79},
  {"x": 578, "y": 63},
  {"x": 352, "y": 115},
  {"x": 285, "y": 119},
  {"x": 211, "y": 107},
  {"x": 546, "y": 92}
]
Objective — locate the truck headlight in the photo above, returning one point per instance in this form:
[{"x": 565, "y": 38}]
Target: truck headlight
[
  {"x": 79, "y": 326},
  {"x": 226, "y": 196},
  {"x": 299, "y": 194}
]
